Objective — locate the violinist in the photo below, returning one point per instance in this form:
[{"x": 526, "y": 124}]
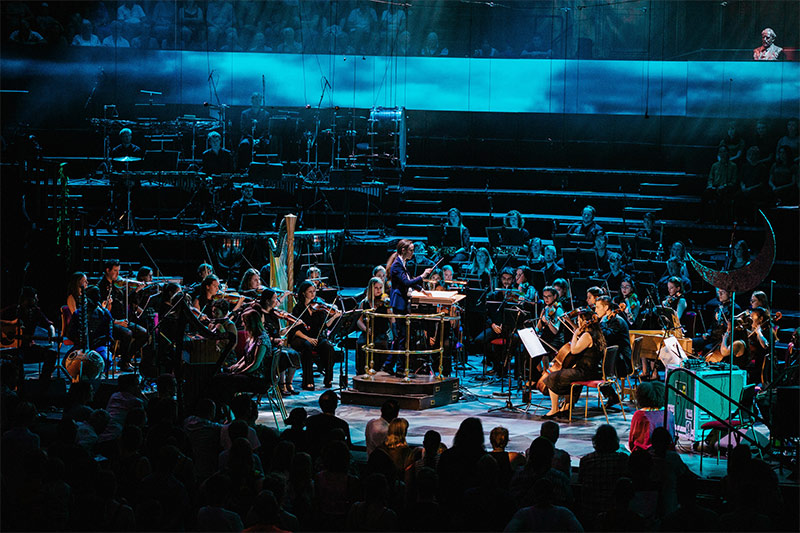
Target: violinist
[
  {"x": 141, "y": 295},
  {"x": 750, "y": 344},
  {"x": 203, "y": 271},
  {"x": 402, "y": 283},
  {"x": 382, "y": 327},
  {"x": 317, "y": 315},
  {"x": 220, "y": 310},
  {"x": 549, "y": 327},
  {"x": 289, "y": 360},
  {"x": 592, "y": 294},
  {"x": 204, "y": 295},
  {"x": 435, "y": 282},
  {"x": 675, "y": 299},
  {"x": 99, "y": 327},
  {"x": 564, "y": 296},
  {"x": 251, "y": 283},
  {"x": 720, "y": 307},
  {"x": 758, "y": 343},
  {"x": 583, "y": 362},
  {"x": 759, "y": 299},
  {"x": 627, "y": 295},
  {"x": 616, "y": 331},
  {"x": 131, "y": 337}
]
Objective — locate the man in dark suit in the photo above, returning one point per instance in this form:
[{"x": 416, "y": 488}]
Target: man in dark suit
[{"x": 402, "y": 283}]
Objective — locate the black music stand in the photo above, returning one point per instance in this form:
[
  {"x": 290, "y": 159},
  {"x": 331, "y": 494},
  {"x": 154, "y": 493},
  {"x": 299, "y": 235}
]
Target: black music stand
[
  {"x": 328, "y": 295},
  {"x": 343, "y": 327},
  {"x": 163, "y": 160},
  {"x": 451, "y": 237},
  {"x": 538, "y": 280},
  {"x": 578, "y": 259},
  {"x": 515, "y": 316}
]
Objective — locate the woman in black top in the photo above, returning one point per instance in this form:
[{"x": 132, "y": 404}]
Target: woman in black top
[
  {"x": 382, "y": 327},
  {"x": 317, "y": 316},
  {"x": 289, "y": 359},
  {"x": 587, "y": 347}
]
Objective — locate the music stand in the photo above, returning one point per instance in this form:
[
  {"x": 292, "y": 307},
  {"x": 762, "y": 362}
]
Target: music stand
[
  {"x": 577, "y": 259},
  {"x": 538, "y": 280},
  {"x": 328, "y": 295},
  {"x": 435, "y": 236},
  {"x": 257, "y": 222},
  {"x": 516, "y": 316},
  {"x": 451, "y": 237},
  {"x": 561, "y": 240},
  {"x": 340, "y": 330},
  {"x": 495, "y": 236},
  {"x": 164, "y": 160}
]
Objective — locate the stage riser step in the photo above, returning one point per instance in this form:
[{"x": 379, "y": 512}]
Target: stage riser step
[
  {"x": 394, "y": 386},
  {"x": 410, "y": 402}
]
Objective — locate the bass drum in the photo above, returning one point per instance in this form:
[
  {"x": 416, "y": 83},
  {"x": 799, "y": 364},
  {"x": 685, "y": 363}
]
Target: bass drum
[
  {"x": 84, "y": 366},
  {"x": 387, "y": 136}
]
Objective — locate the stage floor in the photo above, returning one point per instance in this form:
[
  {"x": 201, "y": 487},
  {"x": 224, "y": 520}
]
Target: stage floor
[{"x": 477, "y": 400}]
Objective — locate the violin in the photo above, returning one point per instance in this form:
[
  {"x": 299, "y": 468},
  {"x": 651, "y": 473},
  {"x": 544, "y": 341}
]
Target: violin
[
  {"x": 320, "y": 305},
  {"x": 290, "y": 318},
  {"x": 232, "y": 297},
  {"x": 612, "y": 312}
]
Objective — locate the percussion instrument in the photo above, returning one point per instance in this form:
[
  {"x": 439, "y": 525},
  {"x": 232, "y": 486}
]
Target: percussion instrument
[{"x": 82, "y": 365}]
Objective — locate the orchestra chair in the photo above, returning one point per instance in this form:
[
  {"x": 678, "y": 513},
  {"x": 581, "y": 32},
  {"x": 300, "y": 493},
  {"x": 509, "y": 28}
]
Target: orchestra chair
[
  {"x": 741, "y": 419},
  {"x": 272, "y": 391},
  {"x": 608, "y": 378},
  {"x": 629, "y": 383},
  {"x": 498, "y": 344},
  {"x": 270, "y": 388}
]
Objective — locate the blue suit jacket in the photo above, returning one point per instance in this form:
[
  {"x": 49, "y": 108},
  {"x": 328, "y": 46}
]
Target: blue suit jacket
[{"x": 401, "y": 282}]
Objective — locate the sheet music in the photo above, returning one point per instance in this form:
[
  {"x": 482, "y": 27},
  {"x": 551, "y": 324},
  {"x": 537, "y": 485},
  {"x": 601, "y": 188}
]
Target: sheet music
[{"x": 531, "y": 342}]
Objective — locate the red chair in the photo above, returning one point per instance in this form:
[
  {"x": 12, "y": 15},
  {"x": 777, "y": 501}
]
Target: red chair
[{"x": 609, "y": 378}]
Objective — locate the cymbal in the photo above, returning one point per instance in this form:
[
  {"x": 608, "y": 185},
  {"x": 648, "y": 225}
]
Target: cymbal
[{"x": 127, "y": 159}]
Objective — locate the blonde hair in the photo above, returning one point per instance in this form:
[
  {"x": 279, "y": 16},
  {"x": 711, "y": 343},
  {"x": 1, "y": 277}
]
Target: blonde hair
[
  {"x": 370, "y": 297},
  {"x": 396, "y": 434}
]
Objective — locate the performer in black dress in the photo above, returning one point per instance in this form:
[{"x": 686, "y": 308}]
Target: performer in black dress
[
  {"x": 289, "y": 360},
  {"x": 583, "y": 362},
  {"x": 317, "y": 315}
]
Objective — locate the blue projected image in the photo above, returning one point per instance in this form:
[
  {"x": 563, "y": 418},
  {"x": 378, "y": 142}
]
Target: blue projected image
[{"x": 691, "y": 89}]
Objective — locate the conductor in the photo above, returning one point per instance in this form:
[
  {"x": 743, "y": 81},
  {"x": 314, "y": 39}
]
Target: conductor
[{"x": 402, "y": 283}]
